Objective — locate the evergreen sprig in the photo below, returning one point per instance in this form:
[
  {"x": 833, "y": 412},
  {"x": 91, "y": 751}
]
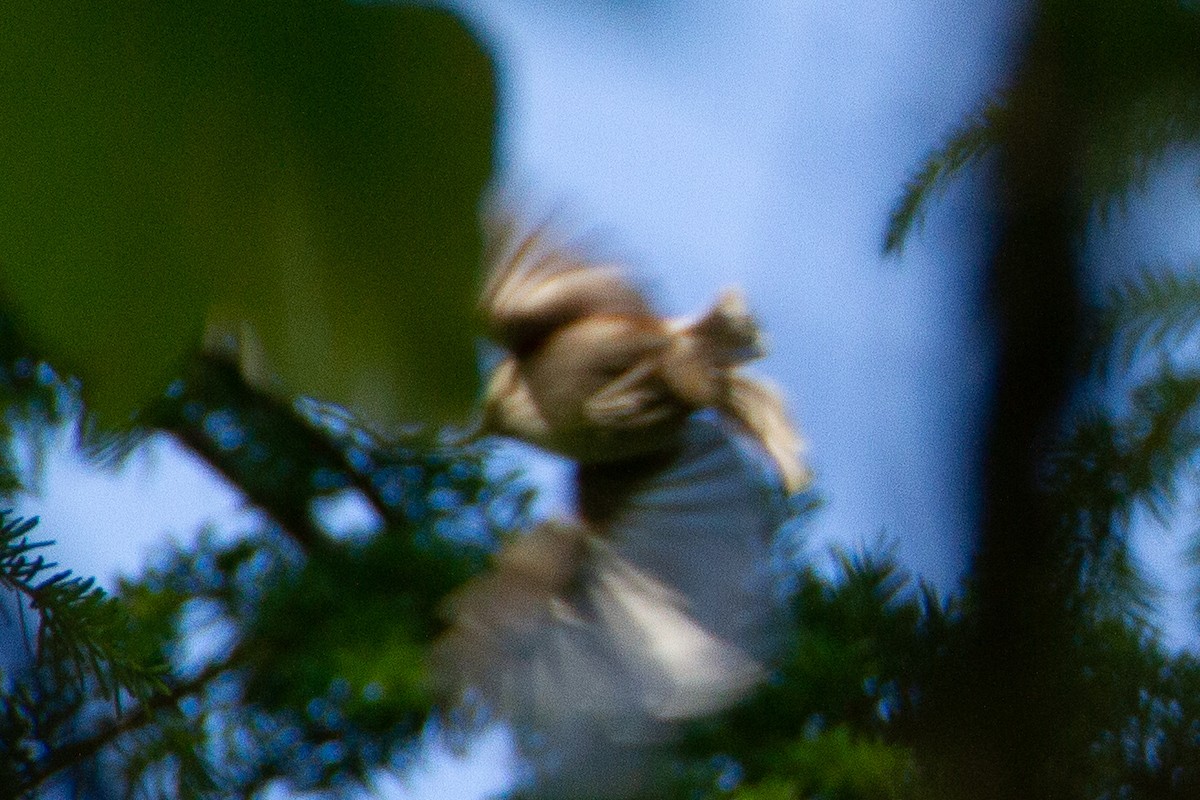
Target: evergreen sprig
[
  {"x": 1155, "y": 310},
  {"x": 1132, "y": 85},
  {"x": 977, "y": 136},
  {"x": 81, "y": 635},
  {"x": 837, "y": 718}
]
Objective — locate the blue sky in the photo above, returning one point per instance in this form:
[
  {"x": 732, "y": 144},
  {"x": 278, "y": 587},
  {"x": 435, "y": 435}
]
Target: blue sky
[
  {"x": 757, "y": 143},
  {"x": 763, "y": 144}
]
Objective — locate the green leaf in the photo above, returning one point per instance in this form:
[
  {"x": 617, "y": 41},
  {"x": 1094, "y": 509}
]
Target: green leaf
[
  {"x": 839, "y": 764},
  {"x": 311, "y": 169}
]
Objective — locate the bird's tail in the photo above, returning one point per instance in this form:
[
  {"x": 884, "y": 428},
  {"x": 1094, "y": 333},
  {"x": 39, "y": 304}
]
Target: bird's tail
[
  {"x": 701, "y": 368},
  {"x": 703, "y": 350},
  {"x": 728, "y": 333},
  {"x": 758, "y": 408}
]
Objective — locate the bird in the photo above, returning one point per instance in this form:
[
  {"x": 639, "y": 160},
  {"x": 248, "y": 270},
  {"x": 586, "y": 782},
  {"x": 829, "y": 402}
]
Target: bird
[
  {"x": 594, "y": 374},
  {"x": 599, "y": 635}
]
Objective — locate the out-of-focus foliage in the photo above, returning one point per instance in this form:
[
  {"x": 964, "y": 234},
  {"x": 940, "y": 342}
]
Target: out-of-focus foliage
[
  {"x": 1103, "y": 89},
  {"x": 1131, "y": 75},
  {"x": 1145, "y": 334},
  {"x": 1132, "y": 83},
  {"x": 273, "y": 656},
  {"x": 845, "y": 718},
  {"x": 312, "y": 169},
  {"x": 963, "y": 148},
  {"x": 32, "y": 397},
  {"x": 836, "y": 716},
  {"x": 1142, "y": 716},
  {"x": 301, "y": 661},
  {"x": 291, "y": 655},
  {"x": 1155, "y": 311},
  {"x": 1111, "y": 464}
]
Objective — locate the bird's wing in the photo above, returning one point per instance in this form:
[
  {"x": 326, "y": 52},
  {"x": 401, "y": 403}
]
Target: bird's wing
[
  {"x": 503, "y": 623},
  {"x": 534, "y": 287},
  {"x": 634, "y": 400},
  {"x": 679, "y": 669},
  {"x": 602, "y": 637},
  {"x": 699, "y": 520}
]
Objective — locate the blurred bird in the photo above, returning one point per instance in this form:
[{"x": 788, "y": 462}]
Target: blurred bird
[
  {"x": 598, "y": 636},
  {"x": 594, "y": 374}
]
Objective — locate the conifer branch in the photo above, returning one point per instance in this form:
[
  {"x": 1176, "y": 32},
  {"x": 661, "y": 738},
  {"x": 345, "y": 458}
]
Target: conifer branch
[
  {"x": 1158, "y": 308},
  {"x": 967, "y": 145},
  {"x": 108, "y": 732},
  {"x": 82, "y": 634}
]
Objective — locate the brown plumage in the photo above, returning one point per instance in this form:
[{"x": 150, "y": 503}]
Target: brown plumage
[
  {"x": 654, "y": 606},
  {"x": 594, "y": 374}
]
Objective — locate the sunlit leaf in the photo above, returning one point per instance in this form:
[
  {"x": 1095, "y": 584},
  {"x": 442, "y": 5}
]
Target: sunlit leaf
[{"x": 312, "y": 169}]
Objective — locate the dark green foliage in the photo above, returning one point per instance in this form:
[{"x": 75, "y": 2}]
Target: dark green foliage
[
  {"x": 964, "y": 148},
  {"x": 1130, "y": 76},
  {"x": 1143, "y": 714},
  {"x": 315, "y": 670},
  {"x": 1103, "y": 90},
  {"x": 839, "y": 715},
  {"x": 1138, "y": 451},
  {"x": 81, "y": 635},
  {"x": 845, "y": 716},
  {"x": 1155, "y": 311},
  {"x": 79, "y": 642},
  {"x": 32, "y": 396},
  {"x": 1110, "y": 465}
]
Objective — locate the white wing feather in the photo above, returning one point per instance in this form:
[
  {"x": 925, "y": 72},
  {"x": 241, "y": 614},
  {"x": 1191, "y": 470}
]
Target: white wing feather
[{"x": 670, "y": 616}]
